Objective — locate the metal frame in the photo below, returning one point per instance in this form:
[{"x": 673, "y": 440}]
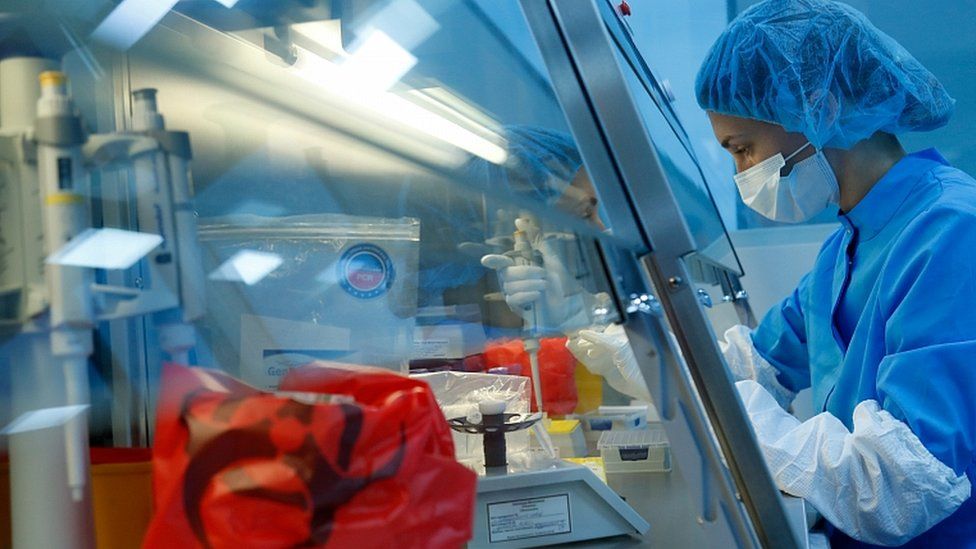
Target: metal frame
[
  {"x": 125, "y": 339},
  {"x": 738, "y": 504}
]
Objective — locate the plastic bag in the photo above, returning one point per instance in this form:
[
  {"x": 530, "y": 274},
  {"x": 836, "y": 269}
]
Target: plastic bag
[
  {"x": 344, "y": 289},
  {"x": 459, "y": 393},
  {"x": 351, "y": 457}
]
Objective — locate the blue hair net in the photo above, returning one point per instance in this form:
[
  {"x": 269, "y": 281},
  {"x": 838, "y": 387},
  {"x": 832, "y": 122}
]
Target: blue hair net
[
  {"x": 821, "y": 68},
  {"x": 541, "y": 163}
]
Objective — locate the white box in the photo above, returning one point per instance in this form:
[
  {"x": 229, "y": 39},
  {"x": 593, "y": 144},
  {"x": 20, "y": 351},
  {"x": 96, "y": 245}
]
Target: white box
[{"x": 635, "y": 451}]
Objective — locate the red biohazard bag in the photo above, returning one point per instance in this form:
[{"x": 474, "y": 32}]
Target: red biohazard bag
[
  {"x": 556, "y": 367},
  {"x": 368, "y": 462}
]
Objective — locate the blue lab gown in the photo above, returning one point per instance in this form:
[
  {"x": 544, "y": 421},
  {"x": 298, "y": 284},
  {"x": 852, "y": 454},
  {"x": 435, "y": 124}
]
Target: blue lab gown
[{"x": 887, "y": 313}]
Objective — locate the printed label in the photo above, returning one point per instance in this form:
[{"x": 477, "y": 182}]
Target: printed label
[
  {"x": 365, "y": 271},
  {"x": 272, "y": 346},
  {"x": 529, "y": 518},
  {"x": 432, "y": 348}
]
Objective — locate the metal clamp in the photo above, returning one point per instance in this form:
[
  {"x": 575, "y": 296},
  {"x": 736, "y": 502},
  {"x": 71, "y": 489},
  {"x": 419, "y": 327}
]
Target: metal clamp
[
  {"x": 644, "y": 303},
  {"x": 704, "y": 298},
  {"x": 740, "y": 295}
]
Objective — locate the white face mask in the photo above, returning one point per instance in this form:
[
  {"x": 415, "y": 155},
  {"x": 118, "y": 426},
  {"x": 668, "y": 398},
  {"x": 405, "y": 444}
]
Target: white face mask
[{"x": 809, "y": 187}]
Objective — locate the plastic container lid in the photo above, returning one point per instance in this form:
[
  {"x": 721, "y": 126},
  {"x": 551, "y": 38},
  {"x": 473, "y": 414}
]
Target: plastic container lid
[
  {"x": 635, "y": 451},
  {"x": 649, "y": 438}
]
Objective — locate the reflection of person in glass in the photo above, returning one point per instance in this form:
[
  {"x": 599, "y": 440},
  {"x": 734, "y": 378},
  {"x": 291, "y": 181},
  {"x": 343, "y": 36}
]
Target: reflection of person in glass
[
  {"x": 561, "y": 304},
  {"x": 543, "y": 167},
  {"x": 808, "y": 97}
]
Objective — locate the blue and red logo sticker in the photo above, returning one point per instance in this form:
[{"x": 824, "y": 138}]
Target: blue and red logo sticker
[{"x": 366, "y": 271}]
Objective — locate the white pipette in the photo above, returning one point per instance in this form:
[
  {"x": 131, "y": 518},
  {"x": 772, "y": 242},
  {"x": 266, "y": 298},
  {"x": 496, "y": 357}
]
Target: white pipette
[{"x": 523, "y": 256}]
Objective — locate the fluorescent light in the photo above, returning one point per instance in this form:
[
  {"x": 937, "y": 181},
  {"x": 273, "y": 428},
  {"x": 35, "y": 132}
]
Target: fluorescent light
[
  {"x": 247, "y": 266},
  {"x": 331, "y": 79},
  {"x": 380, "y": 58},
  {"x": 130, "y": 21},
  {"x": 227, "y": 3},
  {"x": 105, "y": 249},
  {"x": 457, "y": 110},
  {"x": 459, "y": 105},
  {"x": 378, "y": 62}
]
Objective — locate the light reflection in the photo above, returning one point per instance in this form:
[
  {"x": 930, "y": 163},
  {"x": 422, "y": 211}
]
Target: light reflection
[
  {"x": 378, "y": 63},
  {"x": 130, "y": 21},
  {"x": 328, "y": 276},
  {"x": 331, "y": 79},
  {"x": 105, "y": 249},
  {"x": 247, "y": 266},
  {"x": 327, "y": 34},
  {"x": 405, "y": 21},
  {"x": 45, "y": 418}
]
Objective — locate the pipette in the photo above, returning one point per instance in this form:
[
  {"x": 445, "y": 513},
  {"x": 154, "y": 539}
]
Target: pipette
[{"x": 523, "y": 256}]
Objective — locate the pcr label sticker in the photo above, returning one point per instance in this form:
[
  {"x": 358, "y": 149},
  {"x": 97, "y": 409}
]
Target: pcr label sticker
[
  {"x": 365, "y": 271},
  {"x": 529, "y": 518}
]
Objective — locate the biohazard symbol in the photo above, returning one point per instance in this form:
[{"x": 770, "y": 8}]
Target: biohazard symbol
[{"x": 328, "y": 488}]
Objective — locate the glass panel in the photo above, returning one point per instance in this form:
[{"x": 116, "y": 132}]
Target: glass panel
[
  {"x": 674, "y": 150},
  {"x": 252, "y": 186}
]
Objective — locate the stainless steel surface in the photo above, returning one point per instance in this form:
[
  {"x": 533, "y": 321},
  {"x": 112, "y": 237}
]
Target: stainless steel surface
[{"x": 662, "y": 499}]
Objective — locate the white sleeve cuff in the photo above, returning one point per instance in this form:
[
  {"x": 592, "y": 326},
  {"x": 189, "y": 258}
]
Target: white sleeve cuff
[
  {"x": 745, "y": 362},
  {"x": 878, "y": 484}
]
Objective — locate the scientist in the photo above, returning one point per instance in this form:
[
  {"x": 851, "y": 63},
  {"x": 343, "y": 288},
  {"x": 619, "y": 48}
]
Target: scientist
[{"x": 808, "y": 97}]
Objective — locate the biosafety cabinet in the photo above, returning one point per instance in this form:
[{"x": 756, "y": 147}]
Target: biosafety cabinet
[{"x": 252, "y": 185}]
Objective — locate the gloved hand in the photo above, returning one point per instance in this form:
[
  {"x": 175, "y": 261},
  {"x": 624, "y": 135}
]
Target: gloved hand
[
  {"x": 878, "y": 484},
  {"x": 746, "y": 363},
  {"x": 547, "y": 291},
  {"x": 607, "y": 353}
]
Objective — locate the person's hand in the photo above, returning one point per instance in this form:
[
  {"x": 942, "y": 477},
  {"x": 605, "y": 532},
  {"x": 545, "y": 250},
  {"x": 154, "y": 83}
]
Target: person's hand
[
  {"x": 522, "y": 285},
  {"x": 547, "y": 291},
  {"x": 607, "y": 353}
]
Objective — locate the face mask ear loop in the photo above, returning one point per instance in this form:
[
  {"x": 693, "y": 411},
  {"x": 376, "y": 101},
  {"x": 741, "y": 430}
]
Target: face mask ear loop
[{"x": 798, "y": 151}]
